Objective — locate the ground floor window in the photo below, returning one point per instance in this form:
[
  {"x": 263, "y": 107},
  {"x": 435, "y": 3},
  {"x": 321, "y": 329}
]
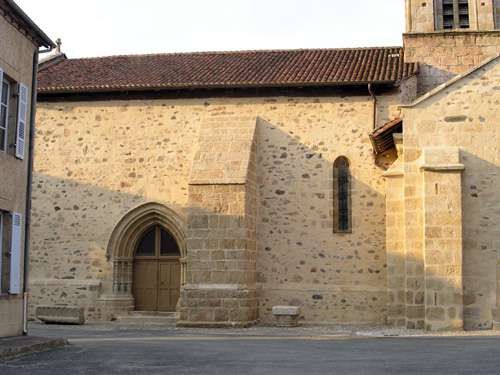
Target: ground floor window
[
  {"x": 10, "y": 252},
  {"x": 5, "y": 252}
]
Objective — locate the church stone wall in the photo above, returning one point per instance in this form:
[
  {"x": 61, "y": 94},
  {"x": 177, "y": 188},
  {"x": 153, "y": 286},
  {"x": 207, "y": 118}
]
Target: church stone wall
[
  {"x": 94, "y": 162},
  {"x": 97, "y": 160},
  {"x": 460, "y": 240}
]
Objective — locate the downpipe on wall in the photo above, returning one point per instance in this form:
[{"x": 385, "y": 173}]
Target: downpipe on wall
[
  {"x": 374, "y": 98},
  {"x": 27, "y": 216}
]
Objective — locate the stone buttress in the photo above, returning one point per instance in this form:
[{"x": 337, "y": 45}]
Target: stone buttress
[{"x": 220, "y": 287}]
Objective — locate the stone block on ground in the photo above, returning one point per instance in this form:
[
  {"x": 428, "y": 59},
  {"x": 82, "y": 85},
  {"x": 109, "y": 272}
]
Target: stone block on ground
[
  {"x": 63, "y": 315},
  {"x": 496, "y": 319},
  {"x": 286, "y": 316}
]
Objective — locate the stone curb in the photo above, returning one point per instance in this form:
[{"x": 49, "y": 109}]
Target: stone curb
[{"x": 18, "y": 346}]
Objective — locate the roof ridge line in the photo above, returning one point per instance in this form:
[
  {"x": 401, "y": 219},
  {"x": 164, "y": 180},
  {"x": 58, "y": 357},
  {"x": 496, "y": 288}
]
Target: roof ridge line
[{"x": 227, "y": 52}]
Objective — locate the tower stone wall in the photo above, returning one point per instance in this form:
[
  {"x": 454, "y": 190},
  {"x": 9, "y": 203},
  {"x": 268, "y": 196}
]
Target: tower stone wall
[
  {"x": 451, "y": 232},
  {"x": 442, "y": 54}
]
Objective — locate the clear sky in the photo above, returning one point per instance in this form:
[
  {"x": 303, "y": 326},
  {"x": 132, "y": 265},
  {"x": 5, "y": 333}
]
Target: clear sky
[{"x": 111, "y": 27}]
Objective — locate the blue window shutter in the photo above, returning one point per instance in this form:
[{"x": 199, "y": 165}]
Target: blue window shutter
[
  {"x": 1, "y": 249},
  {"x": 22, "y": 115},
  {"x": 16, "y": 254},
  {"x": 1, "y": 81}
]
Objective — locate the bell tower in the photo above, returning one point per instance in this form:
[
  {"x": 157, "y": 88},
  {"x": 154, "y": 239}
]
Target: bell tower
[{"x": 449, "y": 37}]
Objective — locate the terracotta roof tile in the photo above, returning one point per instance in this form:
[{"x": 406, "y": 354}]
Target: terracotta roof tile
[{"x": 285, "y": 68}]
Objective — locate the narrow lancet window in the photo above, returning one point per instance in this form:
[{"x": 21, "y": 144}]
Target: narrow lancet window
[{"x": 342, "y": 196}]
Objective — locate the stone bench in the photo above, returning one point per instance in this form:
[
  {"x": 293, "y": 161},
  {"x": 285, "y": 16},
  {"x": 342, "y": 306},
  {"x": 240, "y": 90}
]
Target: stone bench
[
  {"x": 496, "y": 319},
  {"x": 286, "y": 316},
  {"x": 62, "y": 315}
]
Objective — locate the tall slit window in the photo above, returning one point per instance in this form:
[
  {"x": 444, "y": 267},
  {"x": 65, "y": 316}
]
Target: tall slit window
[
  {"x": 452, "y": 14},
  {"x": 342, "y": 196},
  {"x": 496, "y": 11}
]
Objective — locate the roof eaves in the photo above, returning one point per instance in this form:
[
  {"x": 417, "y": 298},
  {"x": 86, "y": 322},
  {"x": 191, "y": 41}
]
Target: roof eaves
[
  {"x": 194, "y": 86},
  {"x": 27, "y": 23}
]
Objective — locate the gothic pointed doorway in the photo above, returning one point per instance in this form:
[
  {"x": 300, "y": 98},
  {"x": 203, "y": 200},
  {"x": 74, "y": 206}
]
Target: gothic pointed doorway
[{"x": 157, "y": 271}]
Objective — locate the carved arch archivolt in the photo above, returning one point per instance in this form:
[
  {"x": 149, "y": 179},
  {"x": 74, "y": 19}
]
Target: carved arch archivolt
[{"x": 127, "y": 233}]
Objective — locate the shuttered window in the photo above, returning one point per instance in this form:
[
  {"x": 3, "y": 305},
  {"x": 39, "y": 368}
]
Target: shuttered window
[
  {"x": 1, "y": 249},
  {"x": 21, "y": 121},
  {"x": 452, "y": 14},
  {"x": 342, "y": 195},
  {"x": 4, "y": 111},
  {"x": 16, "y": 254}
]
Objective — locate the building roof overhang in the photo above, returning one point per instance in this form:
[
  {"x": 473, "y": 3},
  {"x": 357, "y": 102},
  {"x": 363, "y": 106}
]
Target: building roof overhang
[
  {"x": 308, "y": 68},
  {"x": 16, "y": 16}
]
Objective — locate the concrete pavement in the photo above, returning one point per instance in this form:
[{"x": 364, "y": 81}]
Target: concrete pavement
[{"x": 113, "y": 350}]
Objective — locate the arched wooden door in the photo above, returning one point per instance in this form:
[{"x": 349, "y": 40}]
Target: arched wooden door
[{"x": 157, "y": 271}]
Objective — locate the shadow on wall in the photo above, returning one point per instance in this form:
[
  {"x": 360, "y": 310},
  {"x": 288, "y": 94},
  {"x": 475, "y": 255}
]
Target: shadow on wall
[
  {"x": 334, "y": 277},
  {"x": 431, "y": 77},
  {"x": 481, "y": 234}
]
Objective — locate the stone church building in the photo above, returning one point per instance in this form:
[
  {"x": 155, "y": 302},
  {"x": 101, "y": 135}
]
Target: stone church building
[{"x": 359, "y": 184}]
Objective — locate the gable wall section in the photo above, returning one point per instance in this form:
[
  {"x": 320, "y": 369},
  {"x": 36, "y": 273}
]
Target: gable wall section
[{"x": 464, "y": 116}]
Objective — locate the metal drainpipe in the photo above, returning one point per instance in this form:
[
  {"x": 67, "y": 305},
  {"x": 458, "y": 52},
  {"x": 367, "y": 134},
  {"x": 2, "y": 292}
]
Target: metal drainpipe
[
  {"x": 27, "y": 216},
  {"x": 370, "y": 91}
]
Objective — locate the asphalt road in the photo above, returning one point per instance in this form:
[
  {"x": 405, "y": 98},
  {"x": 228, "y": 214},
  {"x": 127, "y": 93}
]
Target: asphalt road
[{"x": 138, "y": 352}]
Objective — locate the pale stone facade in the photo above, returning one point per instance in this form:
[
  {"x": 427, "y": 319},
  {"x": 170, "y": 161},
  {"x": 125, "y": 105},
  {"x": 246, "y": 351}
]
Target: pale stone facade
[
  {"x": 246, "y": 186},
  {"x": 18, "y": 47},
  {"x": 206, "y": 176}
]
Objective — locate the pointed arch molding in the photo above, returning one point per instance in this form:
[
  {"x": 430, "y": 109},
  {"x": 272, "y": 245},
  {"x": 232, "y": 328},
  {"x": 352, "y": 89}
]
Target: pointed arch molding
[{"x": 128, "y": 231}]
